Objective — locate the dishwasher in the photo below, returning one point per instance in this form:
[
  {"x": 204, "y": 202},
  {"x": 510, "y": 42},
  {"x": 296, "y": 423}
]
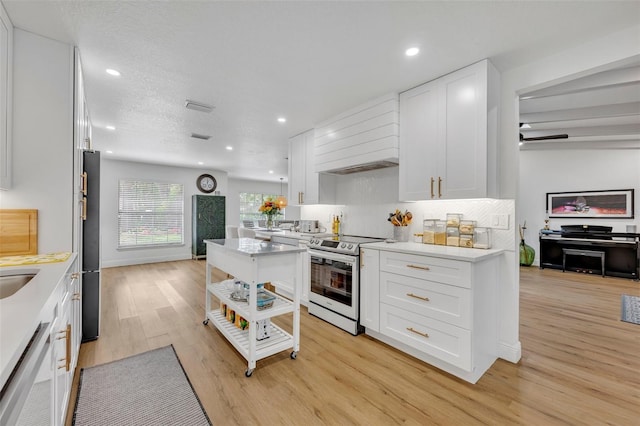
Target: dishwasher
[{"x": 285, "y": 288}]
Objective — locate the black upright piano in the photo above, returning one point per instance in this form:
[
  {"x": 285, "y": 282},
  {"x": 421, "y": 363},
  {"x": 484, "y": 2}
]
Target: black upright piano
[{"x": 591, "y": 249}]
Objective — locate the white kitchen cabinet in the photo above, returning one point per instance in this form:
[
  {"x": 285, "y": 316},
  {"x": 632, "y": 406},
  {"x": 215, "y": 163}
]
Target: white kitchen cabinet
[
  {"x": 448, "y": 131},
  {"x": 305, "y": 185},
  {"x": 370, "y": 289},
  {"x": 438, "y": 308},
  {"x": 6, "y": 96}
]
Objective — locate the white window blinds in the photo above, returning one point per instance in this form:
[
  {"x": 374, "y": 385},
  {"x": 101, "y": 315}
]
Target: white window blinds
[{"x": 150, "y": 214}]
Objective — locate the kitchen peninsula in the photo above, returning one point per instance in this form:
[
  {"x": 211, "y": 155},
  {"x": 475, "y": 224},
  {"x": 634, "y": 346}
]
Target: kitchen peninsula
[{"x": 254, "y": 262}]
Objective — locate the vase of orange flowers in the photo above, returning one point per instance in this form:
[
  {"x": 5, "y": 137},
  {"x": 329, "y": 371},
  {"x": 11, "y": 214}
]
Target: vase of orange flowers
[{"x": 270, "y": 209}]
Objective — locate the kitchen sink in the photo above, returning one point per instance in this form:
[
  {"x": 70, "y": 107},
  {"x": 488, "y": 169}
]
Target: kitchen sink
[{"x": 13, "y": 280}]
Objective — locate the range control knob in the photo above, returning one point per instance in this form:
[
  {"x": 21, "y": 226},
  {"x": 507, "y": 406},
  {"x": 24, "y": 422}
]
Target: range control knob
[
  {"x": 343, "y": 245},
  {"x": 350, "y": 246}
]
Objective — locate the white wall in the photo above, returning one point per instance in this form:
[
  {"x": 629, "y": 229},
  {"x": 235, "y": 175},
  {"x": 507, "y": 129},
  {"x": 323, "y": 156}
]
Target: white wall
[
  {"x": 43, "y": 137},
  {"x": 114, "y": 170},
  {"x": 573, "y": 170},
  {"x": 569, "y": 64},
  {"x": 111, "y": 173}
]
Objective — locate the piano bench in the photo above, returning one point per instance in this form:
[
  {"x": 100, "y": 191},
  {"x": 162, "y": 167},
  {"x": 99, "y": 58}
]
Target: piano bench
[{"x": 577, "y": 252}]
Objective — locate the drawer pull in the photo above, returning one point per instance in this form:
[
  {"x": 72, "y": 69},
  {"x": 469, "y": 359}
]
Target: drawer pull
[
  {"x": 418, "y": 332},
  {"x": 75, "y": 275},
  {"x": 426, "y": 299},
  {"x": 424, "y": 268}
]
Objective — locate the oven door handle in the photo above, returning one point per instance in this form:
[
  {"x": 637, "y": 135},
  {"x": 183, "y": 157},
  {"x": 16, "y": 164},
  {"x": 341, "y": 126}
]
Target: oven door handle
[
  {"x": 333, "y": 256},
  {"x": 18, "y": 388}
]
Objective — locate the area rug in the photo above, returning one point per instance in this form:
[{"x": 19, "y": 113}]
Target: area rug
[
  {"x": 631, "y": 309},
  {"x": 151, "y": 388}
]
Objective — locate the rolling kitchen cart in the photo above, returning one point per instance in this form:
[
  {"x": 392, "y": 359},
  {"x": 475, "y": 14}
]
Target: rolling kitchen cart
[{"x": 254, "y": 262}]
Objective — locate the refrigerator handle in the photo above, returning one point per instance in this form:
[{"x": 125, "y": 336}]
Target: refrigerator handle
[
  {"x": 83, "y": 186},
  {"x": 84, "y": 208}
]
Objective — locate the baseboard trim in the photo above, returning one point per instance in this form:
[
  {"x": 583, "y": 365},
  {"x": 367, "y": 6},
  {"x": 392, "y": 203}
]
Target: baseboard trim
[
  {"x": 144, "y": 260},
  {"x": 510, "y": 352}
]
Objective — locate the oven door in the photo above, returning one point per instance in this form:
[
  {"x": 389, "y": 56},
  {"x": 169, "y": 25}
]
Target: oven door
[{"x": 335, "y": 282}]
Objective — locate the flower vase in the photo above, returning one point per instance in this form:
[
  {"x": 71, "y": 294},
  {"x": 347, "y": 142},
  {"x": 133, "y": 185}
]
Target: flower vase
[
  {"x": 269, "y": 223},
  {"x": 527, "y": 254}
]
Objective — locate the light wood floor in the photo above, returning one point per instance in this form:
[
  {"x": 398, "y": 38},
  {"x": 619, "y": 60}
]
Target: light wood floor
[{"x": 580, "y": 364}]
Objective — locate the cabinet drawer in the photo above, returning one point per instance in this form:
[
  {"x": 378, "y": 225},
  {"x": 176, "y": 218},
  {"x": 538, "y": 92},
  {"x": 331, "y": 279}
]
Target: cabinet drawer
[
  {"x": 446, "y": 303},
  {"x": 444, "y": 341},
  {"x": 446, "y": 271}
]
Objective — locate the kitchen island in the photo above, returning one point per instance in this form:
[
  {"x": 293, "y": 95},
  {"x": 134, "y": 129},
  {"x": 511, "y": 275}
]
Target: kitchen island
[{"x": 254, "y": 262}]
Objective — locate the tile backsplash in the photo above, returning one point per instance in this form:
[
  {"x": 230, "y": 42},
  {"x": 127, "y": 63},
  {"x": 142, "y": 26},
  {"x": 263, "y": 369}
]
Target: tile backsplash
[{"x": 368, "y": 198}]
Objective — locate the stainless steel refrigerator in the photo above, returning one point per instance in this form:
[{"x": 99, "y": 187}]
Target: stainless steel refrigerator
[{"x": 91, "y": 246}]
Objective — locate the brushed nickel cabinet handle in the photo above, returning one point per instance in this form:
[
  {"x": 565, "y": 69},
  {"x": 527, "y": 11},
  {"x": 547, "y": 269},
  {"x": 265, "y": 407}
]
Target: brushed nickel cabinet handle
[
  {"x": 411, "y": 329},
  {"x": 76, "y": 297},
  {"x": 75, "y": 275},
  {"x": 432, "y": 181},
  {"x": 426, "y": 299},
  {"x": 439, "y": 187},
  {"x": 424, "y": 268},
  {"x": 361, "y": 258},
  {"x": 302, "y": 198}
]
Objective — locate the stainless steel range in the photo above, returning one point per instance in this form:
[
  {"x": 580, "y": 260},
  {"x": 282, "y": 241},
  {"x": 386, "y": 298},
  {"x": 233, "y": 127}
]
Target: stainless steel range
[{"x": 335, "y": 280}]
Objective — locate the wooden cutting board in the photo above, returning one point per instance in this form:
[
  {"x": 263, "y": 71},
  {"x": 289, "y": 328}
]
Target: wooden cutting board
[{"x": 18, "y": 232}]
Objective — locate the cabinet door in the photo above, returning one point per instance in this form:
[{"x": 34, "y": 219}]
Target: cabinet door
[
  {"x": 419, "y": 143},
  {"x": 6, "y": 103},
  {"x": 311, "y": 192},
  {"x": 462, "y": 160},
  {"x": 61, "y": 336},
  {"x": 370, "y": 289},
  {"x": 444, "y": 136},
  {"x": 297, "y": 161}
]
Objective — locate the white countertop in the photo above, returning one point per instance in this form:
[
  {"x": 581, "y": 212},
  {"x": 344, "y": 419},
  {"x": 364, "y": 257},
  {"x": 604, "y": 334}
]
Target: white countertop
[
  {"x": 446, "y": 252},
  {"x": 264, "y": 233},
  {"x": 253, "y": 247},
  {"x": 21, "y": 312}
]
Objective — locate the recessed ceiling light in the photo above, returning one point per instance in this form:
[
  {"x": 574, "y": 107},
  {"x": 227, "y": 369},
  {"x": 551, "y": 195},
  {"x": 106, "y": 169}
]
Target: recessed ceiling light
[
  {"x": 113, "y": 72},
  {"x": 282, "y": 120},
  {"x": 229, "y": 148},
  {"x": 200, "y": 163},
  {"x": 109, "y": 152},
  {"x": 110, "y": 127},
  {"x": 412, "y": 51},
  {"x": 270, "y": 172}
]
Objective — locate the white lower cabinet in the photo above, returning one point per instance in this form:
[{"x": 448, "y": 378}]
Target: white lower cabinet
[
  {"x": 437, "y": 309},
  {"x": 370, "y": 289}
]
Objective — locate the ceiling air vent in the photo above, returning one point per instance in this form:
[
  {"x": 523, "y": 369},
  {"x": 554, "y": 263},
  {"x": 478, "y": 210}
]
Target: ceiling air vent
[
  {"x": 199, "y": 136},
  {"x": 198, "y": 106}
]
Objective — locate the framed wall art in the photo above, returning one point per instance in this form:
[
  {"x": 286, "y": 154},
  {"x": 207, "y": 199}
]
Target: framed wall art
[{"x": 614, "y": 204}]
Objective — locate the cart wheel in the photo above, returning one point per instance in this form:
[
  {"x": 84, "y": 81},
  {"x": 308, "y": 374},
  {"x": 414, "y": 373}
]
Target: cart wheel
[
  {"x": 206, "y": 322},
  {"x": 249, "y": 372},
  {"x": 294, "y": 355}
]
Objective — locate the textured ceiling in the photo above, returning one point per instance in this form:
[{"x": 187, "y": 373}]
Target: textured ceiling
[{"x": 306, "y": 61}]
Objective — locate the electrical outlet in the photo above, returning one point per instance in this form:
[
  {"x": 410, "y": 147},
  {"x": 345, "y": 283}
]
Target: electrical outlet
[{"x": 500, "y": 221}]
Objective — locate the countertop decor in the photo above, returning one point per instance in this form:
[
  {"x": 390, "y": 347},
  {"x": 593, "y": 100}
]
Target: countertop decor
[
  {"x": 270, "y": 209},
  {"x": 400, "y": 223},
  {"x": 34, "y": 259}
]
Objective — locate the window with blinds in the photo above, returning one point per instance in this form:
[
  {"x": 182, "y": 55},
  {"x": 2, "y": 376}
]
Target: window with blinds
[{"x": 150, "y": 214}]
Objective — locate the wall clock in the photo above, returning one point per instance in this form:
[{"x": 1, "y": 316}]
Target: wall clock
[{"x": 206, "y": 183}]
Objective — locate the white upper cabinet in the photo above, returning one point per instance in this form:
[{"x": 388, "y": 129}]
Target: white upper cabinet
[
  {"x": 448, "y": 130},
  {"x": 305, "y": 185},
  {"x": 6, "y": 105}
]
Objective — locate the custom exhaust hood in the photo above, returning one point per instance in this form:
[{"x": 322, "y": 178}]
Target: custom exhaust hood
[{"x": 361, "y": 139}]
